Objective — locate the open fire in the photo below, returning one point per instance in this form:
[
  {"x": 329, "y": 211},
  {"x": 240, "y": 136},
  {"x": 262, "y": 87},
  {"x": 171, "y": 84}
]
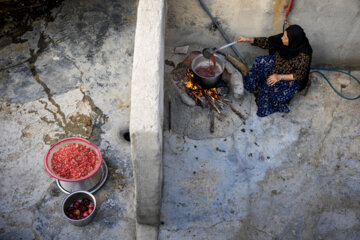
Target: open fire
[
  {"x": 201, "y": 95},
  {"x": 217, "y": 98}
]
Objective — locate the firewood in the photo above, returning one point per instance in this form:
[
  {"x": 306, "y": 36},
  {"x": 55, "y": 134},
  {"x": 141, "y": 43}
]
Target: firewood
[
  {"x": 237, "y": 63},
  {"x": 234, "y": 110},
  {"x": 212, "y": 121},
  {"x": 209, "y": 99}
]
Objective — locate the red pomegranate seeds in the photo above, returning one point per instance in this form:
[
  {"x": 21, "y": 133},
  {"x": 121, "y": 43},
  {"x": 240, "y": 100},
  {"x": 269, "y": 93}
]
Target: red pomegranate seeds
[
  {"x": 74, "y": 161},
  {"x": 80, "y": 209}
]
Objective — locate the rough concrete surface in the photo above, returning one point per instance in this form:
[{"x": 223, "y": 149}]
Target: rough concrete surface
[
  {"x": 333, "y": 27},
  {"x": 285, "y": 176},
  {"x": 146, "y": 232},
  {"x": 146, "y": 118},
  {"x": 68, "y": 76}
]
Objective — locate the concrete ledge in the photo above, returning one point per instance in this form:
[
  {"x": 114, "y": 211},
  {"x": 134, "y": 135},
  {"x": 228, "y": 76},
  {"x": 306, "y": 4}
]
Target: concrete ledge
[
  {"x": 146, "y": 232},
  {"x": 146, "y": 116}
]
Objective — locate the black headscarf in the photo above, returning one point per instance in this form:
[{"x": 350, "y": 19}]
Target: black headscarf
[{"x": 298, "y": 43}]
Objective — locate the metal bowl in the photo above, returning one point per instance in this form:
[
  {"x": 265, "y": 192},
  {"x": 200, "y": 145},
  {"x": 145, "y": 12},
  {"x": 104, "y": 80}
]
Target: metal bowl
[
  {"x": 87, "y": 184},
  {"x": 201, "y": 61},
  {"x": 84, "y": 183},
  {"x": 68, "y": 188},
  {"x": 70, "y": 199}
]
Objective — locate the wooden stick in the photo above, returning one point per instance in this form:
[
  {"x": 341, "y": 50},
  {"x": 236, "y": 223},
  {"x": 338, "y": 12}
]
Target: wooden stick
[
  {"x": 234, "y": 110},
  {"x": 217, "y": 109},
  {"x": 212, "y": 103},
  {"x": 212, "y": 121},
  {"x": 11, "y": 8},
  {"x": 197, "y": 97},
  {"x": 237, "y": 113}
]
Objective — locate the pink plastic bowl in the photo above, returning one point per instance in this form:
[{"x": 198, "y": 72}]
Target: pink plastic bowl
[{"x": 64, "y": 142}]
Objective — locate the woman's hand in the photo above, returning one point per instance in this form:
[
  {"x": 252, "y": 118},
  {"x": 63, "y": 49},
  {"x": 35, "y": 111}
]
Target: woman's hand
[
  {"x": 274, "y": 78},
  {"x": 245, "y": 39}
]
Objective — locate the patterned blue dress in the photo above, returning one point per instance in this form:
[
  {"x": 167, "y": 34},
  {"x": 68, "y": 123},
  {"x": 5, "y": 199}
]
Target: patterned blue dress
[{"x": 269, "y": 99}]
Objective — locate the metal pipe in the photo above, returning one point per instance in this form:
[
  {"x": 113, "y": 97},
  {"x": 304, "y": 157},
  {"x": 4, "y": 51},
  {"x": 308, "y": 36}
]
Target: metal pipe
[{"x": 221, "y": 31}]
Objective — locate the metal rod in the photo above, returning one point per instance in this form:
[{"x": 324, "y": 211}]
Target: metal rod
[{"x": 225, "y": 46}]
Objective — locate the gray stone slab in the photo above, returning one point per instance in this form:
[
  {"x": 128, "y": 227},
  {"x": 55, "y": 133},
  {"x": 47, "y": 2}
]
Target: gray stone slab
[{"x": 181, "y": 50}]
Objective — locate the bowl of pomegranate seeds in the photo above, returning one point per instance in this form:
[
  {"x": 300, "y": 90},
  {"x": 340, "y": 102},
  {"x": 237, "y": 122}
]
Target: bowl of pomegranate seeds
[
  {"x": 79, "y": 207},
  {"x": 75, "y": 162}
]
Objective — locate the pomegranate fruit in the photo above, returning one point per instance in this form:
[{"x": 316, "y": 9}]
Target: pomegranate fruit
[{"x": 80, "y": 209}]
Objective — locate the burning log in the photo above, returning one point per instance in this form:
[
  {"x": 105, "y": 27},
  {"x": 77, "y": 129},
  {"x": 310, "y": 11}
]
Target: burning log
[
  {"x": 216, "y": 98},
  {"x": 212, "y": 103},
  {"x": 204, "y": 96},
  {"x": 200, "y": 95},
  {"x": 198, "y": 98}
]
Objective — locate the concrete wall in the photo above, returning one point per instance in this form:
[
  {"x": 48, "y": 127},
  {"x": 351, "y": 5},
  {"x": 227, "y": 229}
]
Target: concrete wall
[
  {"x": 146, "y": 115},
  {"x": 332, "y": 26}
]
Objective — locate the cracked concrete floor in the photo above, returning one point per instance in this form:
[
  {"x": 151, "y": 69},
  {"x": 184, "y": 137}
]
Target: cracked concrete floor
[
  {"x": 286, "y": 176},
  {"x": 68, "y": 76}
]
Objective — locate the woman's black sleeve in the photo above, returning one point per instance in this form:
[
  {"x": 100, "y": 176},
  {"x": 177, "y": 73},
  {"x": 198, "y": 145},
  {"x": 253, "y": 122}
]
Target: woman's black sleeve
[
  {"x": 262, "y": 42},
  {"x": 301, "y": 66}
]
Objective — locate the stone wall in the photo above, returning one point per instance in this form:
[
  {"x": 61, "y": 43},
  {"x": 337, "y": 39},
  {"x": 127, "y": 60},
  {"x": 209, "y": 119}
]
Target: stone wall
[{"x": 333, "y": 27}]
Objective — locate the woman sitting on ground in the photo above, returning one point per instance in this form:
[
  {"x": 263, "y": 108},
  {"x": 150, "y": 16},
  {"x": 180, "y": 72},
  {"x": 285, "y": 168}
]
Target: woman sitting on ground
[{"x": 275, "y": 78}]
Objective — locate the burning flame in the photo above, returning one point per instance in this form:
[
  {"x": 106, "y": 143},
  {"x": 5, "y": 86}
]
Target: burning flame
[{"x": 197, "y": 90}]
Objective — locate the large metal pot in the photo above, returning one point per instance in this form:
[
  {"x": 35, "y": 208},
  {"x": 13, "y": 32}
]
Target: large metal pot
[{"x": 201, "y": 61}]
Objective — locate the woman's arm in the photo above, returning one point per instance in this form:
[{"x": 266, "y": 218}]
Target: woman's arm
[
  {"x": 299, "y": 72},
  {"x": 274, "y": 78},
  {"x": 261, "y": 42},
  {"x": 245, "y": 39}
]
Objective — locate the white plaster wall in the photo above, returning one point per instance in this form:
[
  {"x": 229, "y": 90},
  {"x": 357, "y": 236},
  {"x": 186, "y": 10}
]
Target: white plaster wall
[
  {"x": 146, "y": 116},
  {"x": 332, "y": 26}
]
